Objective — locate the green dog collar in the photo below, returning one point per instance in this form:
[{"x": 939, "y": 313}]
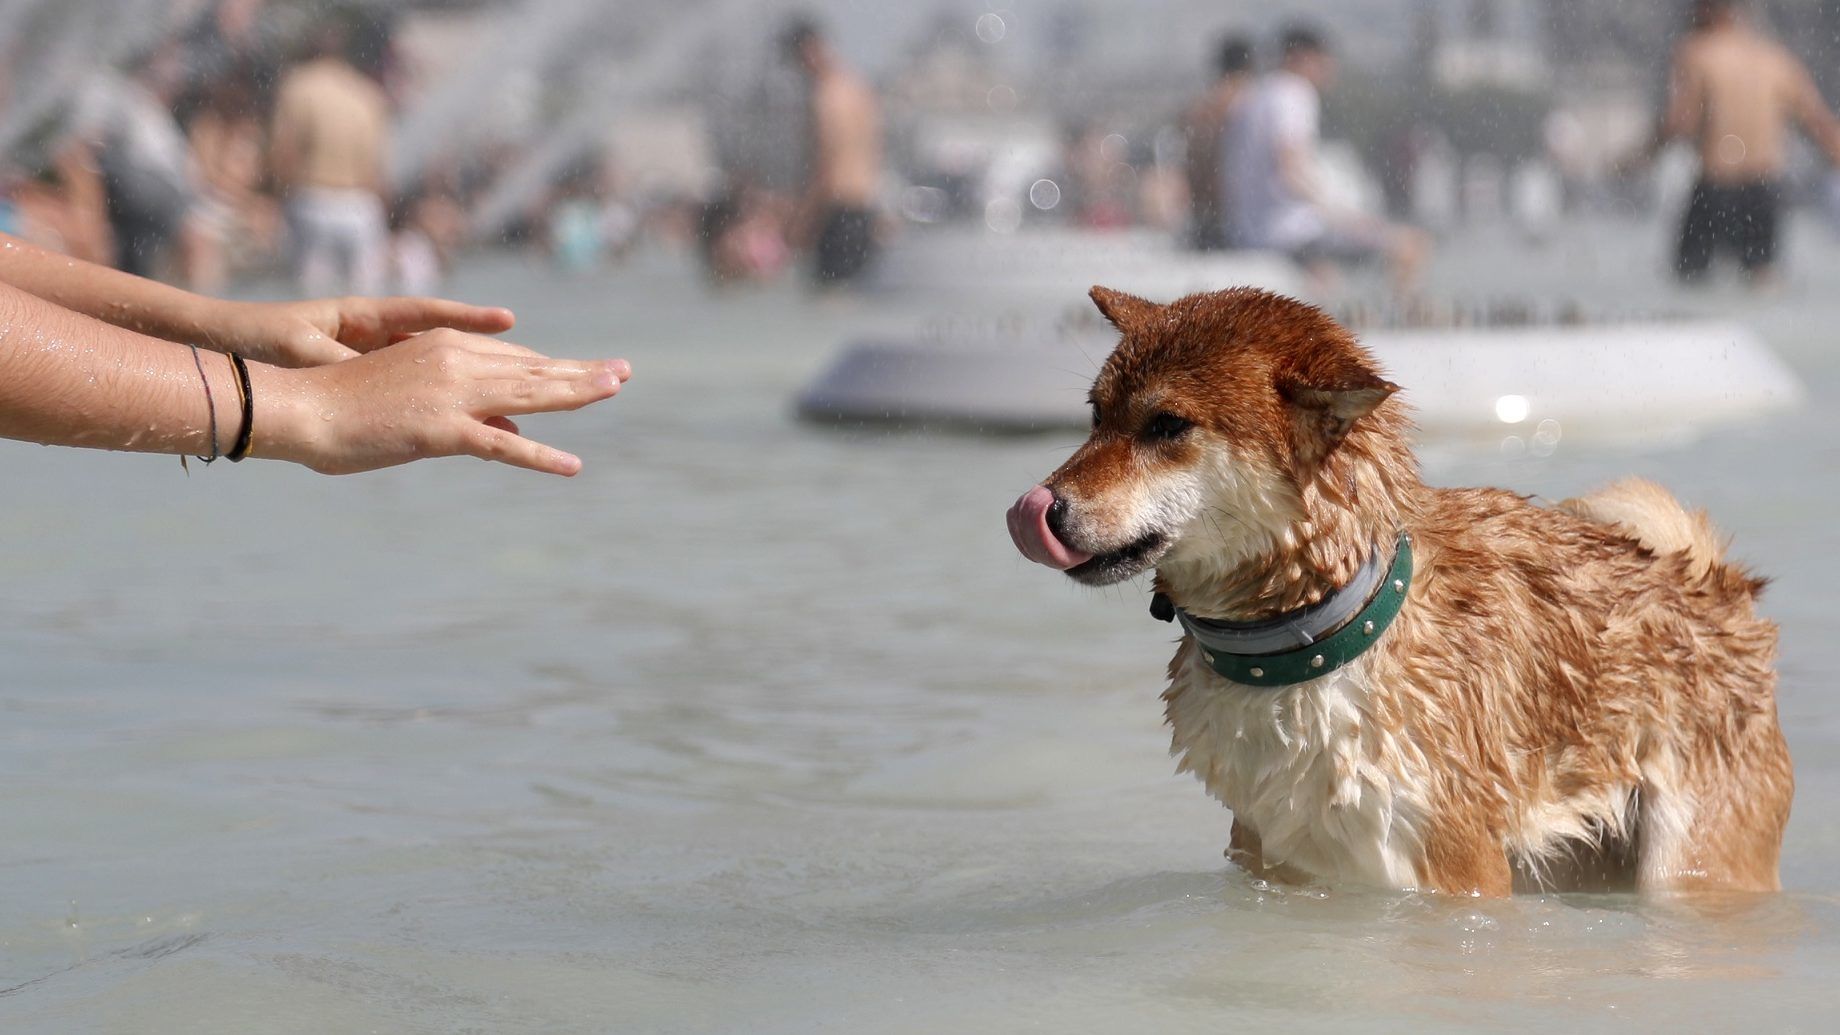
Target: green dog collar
[{"x": 1313, "y": 656}]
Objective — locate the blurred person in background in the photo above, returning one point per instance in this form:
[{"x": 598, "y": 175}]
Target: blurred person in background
[
  {"x": 428, "y": 228},
  {"x": 1275, "y": 197},
  {"x": 226, "y": 40},
  {"x": 1733, "y": 93},
  {"x": 59, "y": 203},
  {"x": 228, "y": 51},
  {"x": 587, "y": 222},
  {"x": 229, "y": 144},
  {"x": 427, "y": 225},
  {"x": 148, "y": 174},
  {"x": 1100, "y": 180},
  {"x": 836, "y": 217},
  {"x": 742, "y": 237},
  {"x": 1203, "y": 126},
  {"x": 326, "y": 149}
]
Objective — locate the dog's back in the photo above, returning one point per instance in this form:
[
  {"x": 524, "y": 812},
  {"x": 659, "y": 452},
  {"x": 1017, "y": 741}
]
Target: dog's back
[
  {"x": 1613, "y": 670},
  {"x": 1651, "y": 516},
  {"x": 1715, "y": 787}
]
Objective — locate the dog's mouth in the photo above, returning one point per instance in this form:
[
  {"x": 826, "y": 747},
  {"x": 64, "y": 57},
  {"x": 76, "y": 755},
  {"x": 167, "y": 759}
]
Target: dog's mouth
[
  {"x": 1032, "y": 524},
  {"x": 1127, "y": 561}
]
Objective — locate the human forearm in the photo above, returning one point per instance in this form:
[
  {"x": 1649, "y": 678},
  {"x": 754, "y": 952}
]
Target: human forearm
[
  {"x": 289, "y": 334},
  {"x": 1818, "y": 121},
  {"x": 70, "y": 380},
  {"x": 114, "y": 297}
]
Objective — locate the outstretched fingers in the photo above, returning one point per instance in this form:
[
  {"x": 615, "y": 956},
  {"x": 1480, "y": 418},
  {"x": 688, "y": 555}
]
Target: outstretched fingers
[
  {"x": 514, "y": 381},
  {"x": 546, "y": 392},
  {"x": 488, "y": 382},
  {"x": 494, "y": 443},
  {"x": 399, "y": 318}
]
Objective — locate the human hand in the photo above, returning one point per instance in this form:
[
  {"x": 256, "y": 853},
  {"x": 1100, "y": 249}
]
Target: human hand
[
  {"x": 317, "y": 331},
  {"x": 441, "y": 393}
]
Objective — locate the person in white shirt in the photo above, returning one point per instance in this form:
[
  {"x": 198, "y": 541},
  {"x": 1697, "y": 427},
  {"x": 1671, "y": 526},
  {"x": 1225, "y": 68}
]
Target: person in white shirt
[{"x": 1269, "y": 167}]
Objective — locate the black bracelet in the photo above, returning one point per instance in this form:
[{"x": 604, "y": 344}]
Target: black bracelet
[
  {"x": 210, "y": 405},
  {"x": 241, "y": 448}
]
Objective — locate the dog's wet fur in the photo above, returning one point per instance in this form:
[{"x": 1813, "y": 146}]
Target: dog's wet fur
[{"x": 1578, "y": 696}]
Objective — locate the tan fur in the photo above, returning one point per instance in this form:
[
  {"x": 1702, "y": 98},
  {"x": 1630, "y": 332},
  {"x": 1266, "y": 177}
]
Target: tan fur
[
  {"x": 1651, "y": 516},
  {"x": 1578, "y": 696}
]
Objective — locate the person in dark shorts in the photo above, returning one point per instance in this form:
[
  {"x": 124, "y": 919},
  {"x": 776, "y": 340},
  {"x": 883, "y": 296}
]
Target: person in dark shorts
[
  {"x": 1734, "y": 94},
  {"x": 836, "y": 215},
  {"x": 846, "y": 241},
  {"x": 1740, "y": 218}
]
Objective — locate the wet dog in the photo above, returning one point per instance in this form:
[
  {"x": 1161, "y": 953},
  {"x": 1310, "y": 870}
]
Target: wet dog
[{"x": 1396, "y": 685}]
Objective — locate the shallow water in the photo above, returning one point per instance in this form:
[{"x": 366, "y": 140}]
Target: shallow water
[{"x": 756, "y": 726}]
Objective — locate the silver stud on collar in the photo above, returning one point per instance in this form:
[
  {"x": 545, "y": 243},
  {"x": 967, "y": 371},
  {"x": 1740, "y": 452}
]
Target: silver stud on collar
[
  {"x": 1258, "y": 673},
  {"x": 1317, "y": 661},
  {"x": 1399, "y": 585},
  {"x": 1209, "y": 655},
  {"x": 1367, "y": 628}
]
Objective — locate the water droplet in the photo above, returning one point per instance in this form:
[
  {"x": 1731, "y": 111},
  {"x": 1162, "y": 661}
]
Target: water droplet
[{"x": 1044, "y": 194}]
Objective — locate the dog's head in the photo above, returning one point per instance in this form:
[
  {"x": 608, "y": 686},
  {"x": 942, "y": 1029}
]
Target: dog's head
[{"x": 1211, "y": 421}]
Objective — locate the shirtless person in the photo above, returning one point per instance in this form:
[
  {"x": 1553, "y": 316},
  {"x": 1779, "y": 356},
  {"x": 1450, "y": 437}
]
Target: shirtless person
[
  {"x": 1202, "y": 126},
  {"x": 1732, "y": 92},
  {"x": 327, "y": 151},
  {"x": 837, "y": 213}
]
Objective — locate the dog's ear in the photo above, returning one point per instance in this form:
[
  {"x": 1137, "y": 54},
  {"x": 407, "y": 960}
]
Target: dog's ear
[
  {"x": 1326, "y": 407},
  {"x": 1126, "y": 312}
]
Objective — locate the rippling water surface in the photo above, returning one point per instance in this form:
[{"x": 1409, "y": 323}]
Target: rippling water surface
[{"x": 762, "y": 727}]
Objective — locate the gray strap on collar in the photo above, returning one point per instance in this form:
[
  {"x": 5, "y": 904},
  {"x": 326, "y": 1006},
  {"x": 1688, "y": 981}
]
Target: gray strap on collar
[{"x": 1294, "y": 629}]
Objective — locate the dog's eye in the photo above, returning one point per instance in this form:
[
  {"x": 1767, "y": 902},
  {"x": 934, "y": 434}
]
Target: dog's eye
[
  {"x": 1095, "y": 414},
  {"x": 1166, "y": 426}
]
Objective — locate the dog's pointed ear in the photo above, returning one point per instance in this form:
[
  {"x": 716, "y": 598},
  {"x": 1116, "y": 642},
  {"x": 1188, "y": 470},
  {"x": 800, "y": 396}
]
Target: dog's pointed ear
[
  {"x": 1326, "y": 408},
  {"x": 1126, "y": 312}
]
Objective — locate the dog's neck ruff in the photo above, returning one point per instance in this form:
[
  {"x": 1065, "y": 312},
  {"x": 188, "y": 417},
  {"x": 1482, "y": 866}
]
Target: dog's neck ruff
[{"x": 1312, "y": 641}]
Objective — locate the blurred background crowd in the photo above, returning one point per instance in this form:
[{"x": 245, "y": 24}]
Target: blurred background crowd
[{"x": 363, "y": 146}]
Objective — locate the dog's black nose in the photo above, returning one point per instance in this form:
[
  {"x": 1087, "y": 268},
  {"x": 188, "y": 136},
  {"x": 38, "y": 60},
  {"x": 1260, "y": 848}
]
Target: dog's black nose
[{"x": 1057, "y": 516}]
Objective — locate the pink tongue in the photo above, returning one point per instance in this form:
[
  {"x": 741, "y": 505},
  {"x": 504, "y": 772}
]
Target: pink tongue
[{"x": 1028, "y": 526}]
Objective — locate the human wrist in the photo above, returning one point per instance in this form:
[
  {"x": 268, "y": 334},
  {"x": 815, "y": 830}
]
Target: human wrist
[
  {"x": 177, "y": 315},
  {"x": 282, "y": 407}
]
